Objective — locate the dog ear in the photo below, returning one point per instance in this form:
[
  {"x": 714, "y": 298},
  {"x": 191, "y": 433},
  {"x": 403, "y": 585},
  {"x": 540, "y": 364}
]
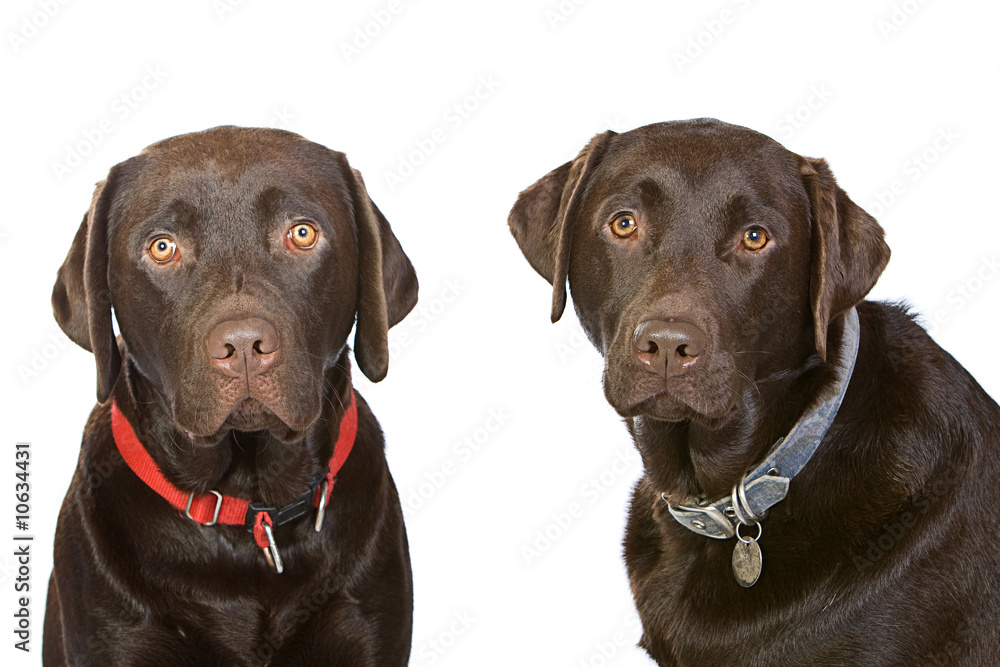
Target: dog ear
[
  {"x": 541, "y": 219},
  {"x": 849, "y": 252},
  {"x": 387, "y": 283},
  {"x": 81, "y": 300}
]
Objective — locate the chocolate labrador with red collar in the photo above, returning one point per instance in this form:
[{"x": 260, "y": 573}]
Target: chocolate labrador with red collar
[
  {"x": 818, "y": 473},
  {"x": 232, "y": 503}
]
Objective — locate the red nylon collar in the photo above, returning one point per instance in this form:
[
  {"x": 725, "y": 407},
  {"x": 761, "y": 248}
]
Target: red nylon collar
[{"x": 213, "y": 505}]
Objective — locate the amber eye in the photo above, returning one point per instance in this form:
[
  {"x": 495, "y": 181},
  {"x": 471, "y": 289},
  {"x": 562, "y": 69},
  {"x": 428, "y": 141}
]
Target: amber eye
[
  {"x": 303, "y": 236},
  {"x": 624, "y": 225},
  {"x": 162, "y": 250},
  {"x": 754, "y": 238}
]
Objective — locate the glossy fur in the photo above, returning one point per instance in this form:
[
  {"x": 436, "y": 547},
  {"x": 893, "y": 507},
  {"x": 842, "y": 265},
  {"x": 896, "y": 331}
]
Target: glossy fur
[
  {"x": 134, "y": 582},
  {"x": 885, "y": 550}
]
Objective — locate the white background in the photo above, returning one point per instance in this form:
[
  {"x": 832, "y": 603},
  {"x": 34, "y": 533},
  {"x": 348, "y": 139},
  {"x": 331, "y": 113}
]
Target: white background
[{"x": 884, "y": 78}]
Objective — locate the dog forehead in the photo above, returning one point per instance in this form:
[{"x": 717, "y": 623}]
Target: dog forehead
[
  {"x": 237, "y": 154},
  {"x": 228, "y": 143},
  {"x": 699, "y": 162},
  {"x": 696, "y": 150},
  {"x": 229, "y": 172},
  {"x": 695, "y": 137}
]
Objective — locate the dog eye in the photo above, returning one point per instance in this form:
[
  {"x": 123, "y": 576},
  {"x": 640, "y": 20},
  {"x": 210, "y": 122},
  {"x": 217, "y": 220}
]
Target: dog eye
[
  {"x": 754, "y": 238},
  {"x": 303, "y": 236},
  {"x": 162, "y": 249},
  {"x": 624, "y": 226}
]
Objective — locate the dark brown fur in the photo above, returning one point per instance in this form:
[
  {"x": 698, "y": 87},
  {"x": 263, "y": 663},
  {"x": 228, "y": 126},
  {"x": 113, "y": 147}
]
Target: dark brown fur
[
  {"x": 136, "y": 583},
  {"x": 885, "y": 550}
]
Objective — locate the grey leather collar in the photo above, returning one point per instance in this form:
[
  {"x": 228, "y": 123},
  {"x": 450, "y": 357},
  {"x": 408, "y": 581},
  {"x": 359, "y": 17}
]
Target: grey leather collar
[{"x": 767, "y": 484}]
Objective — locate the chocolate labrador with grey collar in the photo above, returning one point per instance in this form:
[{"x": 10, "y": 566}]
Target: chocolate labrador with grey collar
[
  {"x": 235, "y": 261},
  {"x": 722, "y": 277}
]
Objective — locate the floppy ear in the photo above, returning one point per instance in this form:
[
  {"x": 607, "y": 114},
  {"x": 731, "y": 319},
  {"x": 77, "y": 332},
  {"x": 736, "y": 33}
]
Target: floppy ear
[
  {"x": 387, "y": 283},
  {"x": 848, "y": 249},
  {"x": 541, "y": 220},
  {"x": 81, "y": 300}
]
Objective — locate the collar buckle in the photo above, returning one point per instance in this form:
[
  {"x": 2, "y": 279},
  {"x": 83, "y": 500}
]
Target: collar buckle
[
  {"x": 215, "y": 514},
  {"x": 281, "y": 515},
  {"x": 706, "y": 520}
]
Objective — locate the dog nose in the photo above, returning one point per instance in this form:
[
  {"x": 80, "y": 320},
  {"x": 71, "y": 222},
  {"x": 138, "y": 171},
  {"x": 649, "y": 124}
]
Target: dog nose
[
  {"x": 241, "y": 348},
  {"x": 668, "y": 348}
]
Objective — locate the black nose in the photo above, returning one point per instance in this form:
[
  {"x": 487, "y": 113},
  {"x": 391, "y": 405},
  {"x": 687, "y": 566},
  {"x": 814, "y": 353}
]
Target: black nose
[
  {"x": 668, "y": 348},
  {"x": 243, "y": 347}
]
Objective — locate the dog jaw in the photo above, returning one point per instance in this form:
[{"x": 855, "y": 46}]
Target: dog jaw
[
  {"x": 264, "y": 403},
  {"x": 709, "y": 394}
]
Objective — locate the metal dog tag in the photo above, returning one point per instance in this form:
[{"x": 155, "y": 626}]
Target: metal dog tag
[
  {"x": 747, "y": 562},
  {"x": 271, "y": 554}
]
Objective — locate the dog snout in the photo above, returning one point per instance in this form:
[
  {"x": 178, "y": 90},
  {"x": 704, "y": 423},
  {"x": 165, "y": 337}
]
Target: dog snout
[
  {"x": 668, "y": 348},
  {"x": 244, "y": 347}
]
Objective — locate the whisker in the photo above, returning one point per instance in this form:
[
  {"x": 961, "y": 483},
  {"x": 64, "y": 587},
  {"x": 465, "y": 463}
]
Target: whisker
[
  {"x": 327, "y": 396},
  {"x": 753, "y": 384}
]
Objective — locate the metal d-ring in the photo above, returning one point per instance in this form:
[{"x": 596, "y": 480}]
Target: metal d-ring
[
  {"x": 760, "y": 531},
  {"x": 271, "y": 550},
  {"x": 741, "y": 507},
  {"x": 321, "y": 509},
  {"x": 215, "y": 515}
]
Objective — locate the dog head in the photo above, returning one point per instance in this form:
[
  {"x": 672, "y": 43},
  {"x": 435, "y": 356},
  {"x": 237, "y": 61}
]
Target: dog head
[
  {"x": 702, "y": 258},
  {"x": 236, "y": 261}
]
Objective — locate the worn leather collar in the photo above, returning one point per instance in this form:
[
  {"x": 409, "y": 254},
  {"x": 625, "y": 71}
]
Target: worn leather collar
[
  {"x": 767, "y": 484},
  {"x": 209, "y": 509}
]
